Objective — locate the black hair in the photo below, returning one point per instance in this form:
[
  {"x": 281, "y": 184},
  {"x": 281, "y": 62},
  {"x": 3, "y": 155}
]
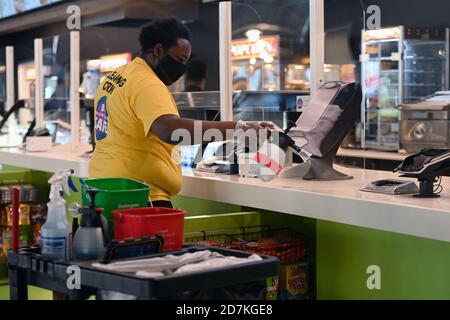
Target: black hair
[
  {"x": 165, "y": 31},
  {"x": 196, "y": 69}
]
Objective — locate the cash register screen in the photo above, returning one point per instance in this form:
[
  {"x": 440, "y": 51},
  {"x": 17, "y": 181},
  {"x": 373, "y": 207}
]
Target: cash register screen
[
  {"x": 59, "y": 134},
  {"x": 220, "y": 149},
  {"x": 188, "y": 155},
  {"x": 211, "y": 150},
  {"x": 276, "y": 101},
  {"x": 52, "y": 129}
]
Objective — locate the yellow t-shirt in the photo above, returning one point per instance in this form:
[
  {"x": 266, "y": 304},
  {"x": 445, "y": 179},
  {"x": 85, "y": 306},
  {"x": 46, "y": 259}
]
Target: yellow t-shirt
[{"x": 127, "y": 102}]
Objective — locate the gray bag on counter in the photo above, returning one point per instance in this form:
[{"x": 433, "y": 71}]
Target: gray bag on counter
[{"x": 323, "y": 125}]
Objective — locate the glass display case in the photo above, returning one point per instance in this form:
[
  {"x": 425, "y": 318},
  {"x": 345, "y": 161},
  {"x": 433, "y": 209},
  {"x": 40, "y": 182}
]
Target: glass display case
[
  {"x": 399, "y": 65},
  {"x": 424, "y": 68}
]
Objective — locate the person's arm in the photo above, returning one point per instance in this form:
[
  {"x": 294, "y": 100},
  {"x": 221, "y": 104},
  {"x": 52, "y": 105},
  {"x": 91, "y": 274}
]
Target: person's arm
[
  {"x": 160, "y": 117},
  {"x": 165, "y": 129}
]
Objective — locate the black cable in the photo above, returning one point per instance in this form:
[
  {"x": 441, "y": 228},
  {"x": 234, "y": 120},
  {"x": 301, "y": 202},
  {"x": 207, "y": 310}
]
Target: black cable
[
  {"x": 364, "y": 14},
  {"x": 216, "y": 116},
  {"x": 438, "y": 187},
  {"x": 18, "y": 105}
]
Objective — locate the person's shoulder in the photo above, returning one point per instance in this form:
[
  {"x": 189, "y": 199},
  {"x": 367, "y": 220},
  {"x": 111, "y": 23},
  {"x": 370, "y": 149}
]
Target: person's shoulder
[{"x": 142, "y": 75}]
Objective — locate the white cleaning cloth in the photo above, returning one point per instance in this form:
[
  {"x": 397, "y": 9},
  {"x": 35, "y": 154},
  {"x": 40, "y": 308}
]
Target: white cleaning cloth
[
  {"x": 159, "y": 264},
  {"x": 214, "y": 262},
  {"x": 171, "y": 264}
]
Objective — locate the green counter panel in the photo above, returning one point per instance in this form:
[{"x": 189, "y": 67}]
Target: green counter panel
[
  {"x": 221, "y": 221},
  {"x": 196, "y": 207},
  {"x": 411, "y": 267}
]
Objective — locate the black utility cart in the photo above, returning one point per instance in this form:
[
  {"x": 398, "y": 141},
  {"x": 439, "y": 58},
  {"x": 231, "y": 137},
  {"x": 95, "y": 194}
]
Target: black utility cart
[{"x": 244, "y": 281}]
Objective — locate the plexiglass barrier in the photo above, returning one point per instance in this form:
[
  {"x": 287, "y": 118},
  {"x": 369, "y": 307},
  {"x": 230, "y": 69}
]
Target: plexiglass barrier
[
  {"x": 57, "y": 85},
  {"x": 197, "y": 92},
  {"x": 270, "y": 54}
]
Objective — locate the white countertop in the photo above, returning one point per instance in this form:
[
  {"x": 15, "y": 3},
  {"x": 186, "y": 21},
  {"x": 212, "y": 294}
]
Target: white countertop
[
  {"x": 337, "y": 201},
  {"x": 60, "y": 157}
]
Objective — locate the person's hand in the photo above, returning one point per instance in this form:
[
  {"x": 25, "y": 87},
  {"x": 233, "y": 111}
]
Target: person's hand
[
  {"x": 269, "y": 125},
  {"x": 256, "y": 125},
  {"x": 251, "y": 134}
]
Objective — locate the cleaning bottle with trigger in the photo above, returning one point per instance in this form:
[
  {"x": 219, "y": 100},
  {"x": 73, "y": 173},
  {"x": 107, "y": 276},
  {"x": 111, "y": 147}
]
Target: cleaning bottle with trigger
[
  {"x": 271, "y": 156},
  {"x": 55, "y": 233},
  {"x": 89, "y": 242}
]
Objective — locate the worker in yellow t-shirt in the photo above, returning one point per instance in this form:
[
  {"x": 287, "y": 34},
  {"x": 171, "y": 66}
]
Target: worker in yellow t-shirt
[{"x": 136, "y": 115}]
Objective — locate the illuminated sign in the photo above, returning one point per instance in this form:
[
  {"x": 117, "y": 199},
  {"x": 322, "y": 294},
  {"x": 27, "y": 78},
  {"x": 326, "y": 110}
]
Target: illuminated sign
[
  {"x": 93, "y": 64},
  {"x": 383, "y": 34},
  {"x": 244, "y": 49},
  {"x": 30, "y": 74},
  {"x": 111, "y": 62},
  {"x": 12, "y": 7}
]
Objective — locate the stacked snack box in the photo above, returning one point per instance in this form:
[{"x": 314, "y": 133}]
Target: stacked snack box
[
  {"x": 31, "y": 218},
  {"x": 294, "y": 281},
  {"x": 273, "y": 284},
  {"x": 291, "y": 249},
  {"x": 38, "y": 217},
  {"x": 6, "y": 225}
]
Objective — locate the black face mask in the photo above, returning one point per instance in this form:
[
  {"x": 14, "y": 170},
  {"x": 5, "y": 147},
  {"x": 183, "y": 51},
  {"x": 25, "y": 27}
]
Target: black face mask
[{"x": 169, "y": 70}]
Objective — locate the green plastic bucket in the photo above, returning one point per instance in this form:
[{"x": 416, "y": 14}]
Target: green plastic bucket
[{"x": 116, "y": 193}]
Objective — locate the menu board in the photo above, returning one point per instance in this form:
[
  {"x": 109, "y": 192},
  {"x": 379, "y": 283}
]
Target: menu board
[{"x": 12, "y": 7}]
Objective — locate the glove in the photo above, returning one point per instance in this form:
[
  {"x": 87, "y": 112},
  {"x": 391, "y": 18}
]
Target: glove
[
  {"x": 251, "y": 140},
  {"x": 269, "y": 125},
  {"x": 257, "y": 125}
]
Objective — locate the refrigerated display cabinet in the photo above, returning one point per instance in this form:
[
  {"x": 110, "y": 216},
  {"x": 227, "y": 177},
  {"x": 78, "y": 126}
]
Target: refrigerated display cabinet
[{"x": 399, "y": 65}]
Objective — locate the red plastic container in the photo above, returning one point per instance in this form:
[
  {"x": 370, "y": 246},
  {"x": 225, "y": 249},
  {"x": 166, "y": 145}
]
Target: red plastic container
[{"x": 143, "y": 222}]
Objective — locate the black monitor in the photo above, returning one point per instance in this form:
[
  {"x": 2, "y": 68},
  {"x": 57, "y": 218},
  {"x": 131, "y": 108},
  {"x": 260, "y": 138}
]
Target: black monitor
[{"x": 267, "y": 100}]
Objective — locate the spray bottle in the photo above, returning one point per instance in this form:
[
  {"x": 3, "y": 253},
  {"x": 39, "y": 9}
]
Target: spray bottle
[
  {"x": 89, "y": 242},
  {"x": 55, "y": 233},
  {"x": 271, "y": 157}
]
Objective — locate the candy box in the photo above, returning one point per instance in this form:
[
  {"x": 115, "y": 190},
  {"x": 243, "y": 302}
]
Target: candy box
[
  {"x": 38, "y": 218},
  {"x": 294, "y": 281},
  {"x": 24, "y": 215},
  {"x": 272, "y": 288},
  {"x": 24, "y": 238}
]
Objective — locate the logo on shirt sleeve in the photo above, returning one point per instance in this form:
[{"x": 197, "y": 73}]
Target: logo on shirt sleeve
[{"x": 101, "y": 120}]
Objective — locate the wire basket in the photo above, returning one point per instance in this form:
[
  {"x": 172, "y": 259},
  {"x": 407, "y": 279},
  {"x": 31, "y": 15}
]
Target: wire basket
[
  {"x": 285, "y": 244},
  {"x": 215, "y": 240},
  {"x": 223, "y": 237}
]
